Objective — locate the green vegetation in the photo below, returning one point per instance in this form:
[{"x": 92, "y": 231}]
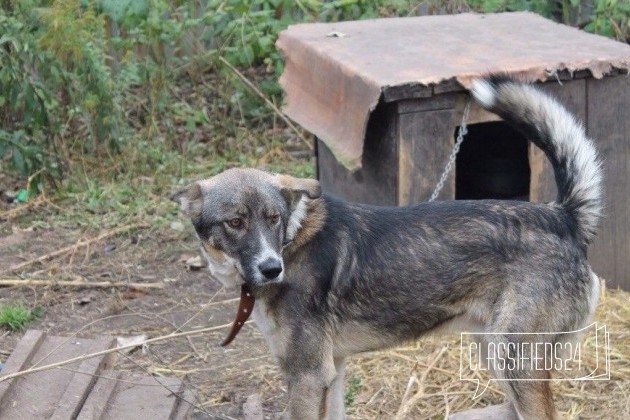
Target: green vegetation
[
  {"x": 352, "y": 390},
  {"x": 605, "y": 17},
  {"x": 106, "y": 105},
  {"x": 17, "y": 317}
]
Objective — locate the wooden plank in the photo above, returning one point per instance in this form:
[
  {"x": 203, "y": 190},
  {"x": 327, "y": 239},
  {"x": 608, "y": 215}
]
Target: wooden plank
[
  {"x": 572, "y": 94},
  {"x": 82, "y": 382},
  {"x": 375, "y": 182},
  {"x": 96, "y": 403},
  {"x": 185, "y": 406},
  {"x": 20, "y": 358},
  {"x": 608, "y": 123},
  {"x": 138, "y": 396},
  {"x": 446, "y": 86},
  {"x": 50, "y": 385},
  {"x": 418, "y": 105},
  {"x": 408, "y": 91},
  {"x": 426, "y": 141}
]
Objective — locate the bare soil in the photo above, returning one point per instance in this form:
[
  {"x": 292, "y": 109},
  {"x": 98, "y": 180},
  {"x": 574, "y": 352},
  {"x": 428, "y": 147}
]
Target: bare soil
[{"x": 220, "y": 377}]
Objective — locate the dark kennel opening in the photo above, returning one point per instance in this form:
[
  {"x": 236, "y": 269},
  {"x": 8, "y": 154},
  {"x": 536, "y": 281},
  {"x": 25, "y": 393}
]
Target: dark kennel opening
[{"x": 492, "y": 163}]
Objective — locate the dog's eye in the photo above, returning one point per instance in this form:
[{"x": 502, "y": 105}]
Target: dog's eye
[
  {"x": 274, "y": 219},
  {"x": 235, "y": 223}
]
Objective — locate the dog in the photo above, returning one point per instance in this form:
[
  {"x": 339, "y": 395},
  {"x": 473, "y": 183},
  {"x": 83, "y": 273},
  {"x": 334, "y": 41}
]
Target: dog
[{"x": 332, "y": 278}]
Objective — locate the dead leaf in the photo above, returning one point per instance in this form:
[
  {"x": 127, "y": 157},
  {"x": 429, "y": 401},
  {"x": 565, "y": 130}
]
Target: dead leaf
[
  {"x": 132, "y": 293},
  {"x": 84, "y": 300},
  {"x": 185, "y": 257},
  {"x": 137, "y": 340},
  {"x": 195, "y": 263},
  {"x": 178, "y": 226}
]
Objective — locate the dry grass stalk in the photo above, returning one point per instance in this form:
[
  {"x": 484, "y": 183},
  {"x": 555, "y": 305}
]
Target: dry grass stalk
[
  {"x": 406, "y": 404},
  {"x": 114, "y": 350},
  {"x": 273, "y": 106},
  {"x": 71, "y": 248},
  {"x": 77, "y": 284}
]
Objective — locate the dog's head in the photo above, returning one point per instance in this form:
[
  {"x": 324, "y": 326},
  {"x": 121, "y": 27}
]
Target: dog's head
[{"x": 243, "y": 218}]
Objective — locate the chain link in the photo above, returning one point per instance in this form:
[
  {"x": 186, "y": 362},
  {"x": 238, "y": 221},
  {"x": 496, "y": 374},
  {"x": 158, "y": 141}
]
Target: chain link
[{"x": 463, "y": 129}]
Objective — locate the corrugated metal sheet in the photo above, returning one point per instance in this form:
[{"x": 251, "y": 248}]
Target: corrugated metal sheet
[{"x": 332, "y": 83}]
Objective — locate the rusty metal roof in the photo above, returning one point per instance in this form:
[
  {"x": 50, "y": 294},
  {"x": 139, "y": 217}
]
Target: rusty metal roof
[{"x": 336, "y": 73}]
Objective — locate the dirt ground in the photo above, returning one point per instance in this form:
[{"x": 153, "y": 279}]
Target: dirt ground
[{"x": 222, "y": 378}]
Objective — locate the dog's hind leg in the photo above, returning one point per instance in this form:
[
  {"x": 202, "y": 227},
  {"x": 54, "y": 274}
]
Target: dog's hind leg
[
  {"x": 336, "y": 408},
  {"x": 533, "y": 398},
  {"x": 525, "y": 386}
]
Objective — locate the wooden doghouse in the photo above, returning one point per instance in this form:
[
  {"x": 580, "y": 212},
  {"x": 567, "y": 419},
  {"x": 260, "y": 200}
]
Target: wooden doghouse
[{"x": 385, "y": 98}]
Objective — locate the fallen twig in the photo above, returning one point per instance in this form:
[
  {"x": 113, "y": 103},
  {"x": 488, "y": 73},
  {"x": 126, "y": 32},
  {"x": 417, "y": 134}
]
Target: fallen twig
[
  {"x": 77, "y": 284},
  {"x": 113, "y": 350},
  {"x": 12, "y": 213},
  {"x": 73, "y": 247}
]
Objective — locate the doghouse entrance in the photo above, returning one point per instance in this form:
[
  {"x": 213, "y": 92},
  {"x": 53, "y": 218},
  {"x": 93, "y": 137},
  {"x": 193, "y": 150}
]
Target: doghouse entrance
[{"x": 492, "y": 163}]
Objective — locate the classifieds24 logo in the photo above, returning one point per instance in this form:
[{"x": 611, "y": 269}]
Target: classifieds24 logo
[{"x": 582, "y": 355}]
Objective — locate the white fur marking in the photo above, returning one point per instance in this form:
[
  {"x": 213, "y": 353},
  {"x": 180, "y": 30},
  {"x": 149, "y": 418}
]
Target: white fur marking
[
  {"x": 593, "y": 297},
  {"x": 270, "y": 330},
  {"x": 483, "y": 92},
  {"x": 296, "y": 218},
  {"x": 268, "y": 252},
  {"x": 227, "y": 270}
]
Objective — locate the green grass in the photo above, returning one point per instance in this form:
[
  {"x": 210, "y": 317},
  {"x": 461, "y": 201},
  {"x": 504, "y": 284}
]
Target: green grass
[
  {"x": 18, "y": 317},
  {"x": 352, "y": 390}
]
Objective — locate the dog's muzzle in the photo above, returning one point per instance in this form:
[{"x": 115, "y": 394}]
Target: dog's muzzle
[{"x": 270, "y": 268}]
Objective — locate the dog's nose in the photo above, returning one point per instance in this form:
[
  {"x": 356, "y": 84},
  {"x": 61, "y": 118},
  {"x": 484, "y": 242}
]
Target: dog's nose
[{"x": 270, "y": 268}]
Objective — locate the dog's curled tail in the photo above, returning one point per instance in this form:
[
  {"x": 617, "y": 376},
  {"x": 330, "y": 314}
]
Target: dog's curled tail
[{"x": 551, "y": 127}]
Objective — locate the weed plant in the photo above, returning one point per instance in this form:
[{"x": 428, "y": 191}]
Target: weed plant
[
  {"x": 17, "y": 317},
  {"x": 107, "y": 104}
]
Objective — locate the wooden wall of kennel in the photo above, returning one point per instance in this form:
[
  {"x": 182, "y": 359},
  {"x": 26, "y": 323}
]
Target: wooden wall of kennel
[{"x": 410, "y": 136}]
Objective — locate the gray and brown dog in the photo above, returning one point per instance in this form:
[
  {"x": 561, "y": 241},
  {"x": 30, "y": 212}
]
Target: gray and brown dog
[{"x": 333, "y": 278}]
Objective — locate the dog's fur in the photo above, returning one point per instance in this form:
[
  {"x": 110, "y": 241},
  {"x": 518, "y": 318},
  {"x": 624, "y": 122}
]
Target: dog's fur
[{"x": 356, "y": 277}]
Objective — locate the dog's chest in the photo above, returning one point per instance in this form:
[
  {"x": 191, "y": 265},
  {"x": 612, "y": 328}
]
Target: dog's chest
[{"x": 269, "y": 328}]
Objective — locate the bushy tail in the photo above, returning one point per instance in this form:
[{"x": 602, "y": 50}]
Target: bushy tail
[{"x": 551, "y": 127}]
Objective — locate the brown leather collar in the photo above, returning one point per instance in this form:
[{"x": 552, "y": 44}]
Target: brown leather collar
[{"x": 245, "y": 307}]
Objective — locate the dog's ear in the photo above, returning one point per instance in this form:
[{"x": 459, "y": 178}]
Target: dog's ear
[
  {"x": 294, "y": 190},
  {"x": 189, "y": 199},
  {"x": 299, "y": 186}
]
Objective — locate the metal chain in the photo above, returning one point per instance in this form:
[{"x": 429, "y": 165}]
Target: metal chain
[{"x": 463, "y": 129}]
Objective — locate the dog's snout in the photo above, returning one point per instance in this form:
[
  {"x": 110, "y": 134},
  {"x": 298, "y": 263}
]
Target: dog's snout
[{"x": 270, "y": 268}]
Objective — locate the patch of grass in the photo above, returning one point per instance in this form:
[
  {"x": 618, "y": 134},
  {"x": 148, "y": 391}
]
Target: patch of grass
[
  {"x": 352, "y": 390},
  {"x": 17, "y": 317}
]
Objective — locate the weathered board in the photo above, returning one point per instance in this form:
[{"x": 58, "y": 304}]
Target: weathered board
[
  {"x": 375, "y": 182},
  {"x": 85, "y": 389},
  {"x": 608, "y": 122}
]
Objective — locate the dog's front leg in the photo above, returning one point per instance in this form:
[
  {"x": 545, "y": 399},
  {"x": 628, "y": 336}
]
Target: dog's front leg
[
  {"x": 307, "y": 395},
  {"x": 336, "y": 405},
  {"x": 308, "y": 390}
]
